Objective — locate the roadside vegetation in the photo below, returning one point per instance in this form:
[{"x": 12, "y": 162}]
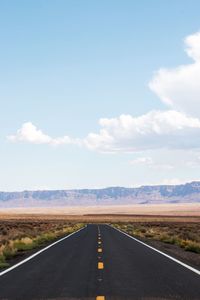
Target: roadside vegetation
[
  {"x": 18, "y": 237},
  {"x": 184, "y": 235}
]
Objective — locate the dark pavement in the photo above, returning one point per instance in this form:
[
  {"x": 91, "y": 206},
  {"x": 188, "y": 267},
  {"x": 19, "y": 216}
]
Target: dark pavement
[{"x": 127, "y": 270}]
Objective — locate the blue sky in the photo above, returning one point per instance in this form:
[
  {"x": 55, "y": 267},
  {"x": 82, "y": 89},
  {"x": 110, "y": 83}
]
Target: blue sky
[{"x": 64, "y": 65}]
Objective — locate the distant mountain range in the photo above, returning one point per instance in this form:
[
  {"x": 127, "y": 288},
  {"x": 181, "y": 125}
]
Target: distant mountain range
[{"x": 184, "y": 193}]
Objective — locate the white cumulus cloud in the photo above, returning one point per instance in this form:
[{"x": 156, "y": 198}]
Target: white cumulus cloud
[
  {"x": 156, "y": 129},
  {"x": 179, "y": 87},
  {"x": 178, "y": 127},
  {"x": 31, "y": 134}
]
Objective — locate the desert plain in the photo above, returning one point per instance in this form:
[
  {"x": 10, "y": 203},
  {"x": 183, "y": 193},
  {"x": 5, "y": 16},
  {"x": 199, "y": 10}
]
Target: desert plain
[{"x": 171, "y": 228}]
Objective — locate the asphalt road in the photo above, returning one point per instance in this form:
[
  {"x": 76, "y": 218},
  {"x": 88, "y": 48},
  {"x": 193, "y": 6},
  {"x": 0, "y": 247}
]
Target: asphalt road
[{"x": 121, "y": 269}]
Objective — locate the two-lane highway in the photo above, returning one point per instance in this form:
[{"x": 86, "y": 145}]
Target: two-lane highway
[{"x": 100, "y": 262}]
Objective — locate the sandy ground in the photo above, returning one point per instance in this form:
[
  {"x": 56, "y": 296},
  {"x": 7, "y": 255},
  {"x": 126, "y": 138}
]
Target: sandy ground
[{"x": 186, "y": 209}]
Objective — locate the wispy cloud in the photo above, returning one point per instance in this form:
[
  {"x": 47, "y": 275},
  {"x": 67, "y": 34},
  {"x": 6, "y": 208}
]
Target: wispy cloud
[
  {"x": 194, "y": 162},
  {"x": 149, "y": 162}
]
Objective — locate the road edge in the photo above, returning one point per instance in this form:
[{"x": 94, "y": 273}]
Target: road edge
[{"x": 160, "y": 252}]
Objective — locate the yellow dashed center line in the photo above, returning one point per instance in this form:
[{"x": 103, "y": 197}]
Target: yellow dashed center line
[{"x": 100, "y": 265}]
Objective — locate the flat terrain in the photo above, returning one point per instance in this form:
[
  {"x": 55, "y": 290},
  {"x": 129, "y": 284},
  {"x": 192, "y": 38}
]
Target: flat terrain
[
  {"x": 187, "y": 209},
  {"x": 75, "y": 269},
  {"x": 177, "y": 236}
]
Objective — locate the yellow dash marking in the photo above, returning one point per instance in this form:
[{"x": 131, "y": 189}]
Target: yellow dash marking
[
  {"x": 100, "y": 250},
  {"x": 100, "y": 265},
  {"x": 100, "y": 298}
]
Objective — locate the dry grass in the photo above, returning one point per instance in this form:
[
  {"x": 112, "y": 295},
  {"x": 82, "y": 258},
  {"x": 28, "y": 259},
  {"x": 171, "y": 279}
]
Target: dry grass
[
  {"x": 20, "y": 236},
  {"x": 182, "y": 234}
]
